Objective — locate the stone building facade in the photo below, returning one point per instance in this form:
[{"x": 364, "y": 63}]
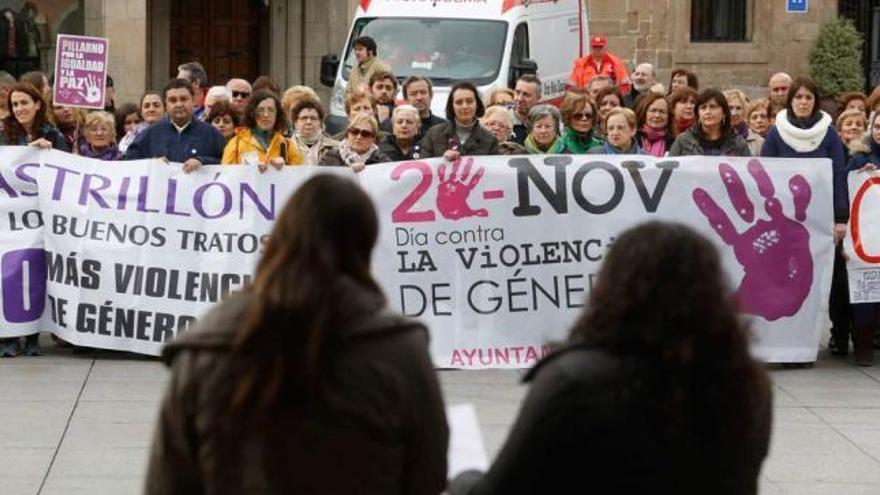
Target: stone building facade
[
  {"x": 660, "y": 32},
  {"x": 286, "y": 38}
]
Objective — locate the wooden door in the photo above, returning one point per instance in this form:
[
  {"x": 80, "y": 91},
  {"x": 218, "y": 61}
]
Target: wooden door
[{"x": 224, "y": 35}]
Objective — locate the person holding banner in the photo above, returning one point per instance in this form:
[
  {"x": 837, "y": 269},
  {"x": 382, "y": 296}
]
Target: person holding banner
[
  {"x": 28, "y": 124},
  {"x": 99, "y": 132},
  {"x": 461, "y": 134},
  {"x": 713, "y": 133},
  {"x": 359, "y": 148},
  {"x": 261, "y": 141},
  {"x": 803, "y": 130},
  {"x": 401, "y": 144},
  {"x": 656, "y": 374},
  {"x": 864, "y": 315},
  {"x": 179, "y": 137},
  {"x": 304, "y": 382}
]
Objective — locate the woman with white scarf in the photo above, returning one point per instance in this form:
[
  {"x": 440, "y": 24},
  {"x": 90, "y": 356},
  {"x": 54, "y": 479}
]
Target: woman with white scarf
[
  {"x": 307, "y": 116},
  {"x": 802, "y": 130},
  {"x": 358, "y": 149}
]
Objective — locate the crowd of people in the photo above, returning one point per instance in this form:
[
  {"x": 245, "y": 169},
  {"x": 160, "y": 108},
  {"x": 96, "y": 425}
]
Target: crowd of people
[
  {"x": 604, "y": 111},
  {"x": 306, "y": 367}
]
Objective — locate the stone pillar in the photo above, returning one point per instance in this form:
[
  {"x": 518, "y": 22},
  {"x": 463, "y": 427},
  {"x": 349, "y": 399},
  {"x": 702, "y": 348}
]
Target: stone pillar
[
  {"x": 124, "y": 23},
  {"x": 313, "y": 28}
]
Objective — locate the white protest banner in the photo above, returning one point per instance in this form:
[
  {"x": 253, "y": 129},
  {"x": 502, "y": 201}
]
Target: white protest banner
[
  {"x": 22, "y": 259},
  {"x": 495, "y": 255},
  {"x": 862, "y": 243}
]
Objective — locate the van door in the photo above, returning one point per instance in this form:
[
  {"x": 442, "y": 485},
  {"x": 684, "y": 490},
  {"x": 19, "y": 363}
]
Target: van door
[{"x": 555, "y": 50}]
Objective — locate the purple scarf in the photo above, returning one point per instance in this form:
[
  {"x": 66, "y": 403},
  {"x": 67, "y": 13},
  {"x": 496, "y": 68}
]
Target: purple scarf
[
  {"x": 654, "y": 141},
  {"x": 742, "y": 129},
  {"x": 107, "y": 154}
]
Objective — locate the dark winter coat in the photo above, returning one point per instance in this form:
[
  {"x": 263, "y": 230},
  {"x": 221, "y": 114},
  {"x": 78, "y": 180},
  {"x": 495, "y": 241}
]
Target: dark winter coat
[
  {"x": 198, "y": 140},
  {"x": 688, "y": 143},
  {"x": 441, "y": 138},
  {"x": 378, "y": 427},
  {"x": 580, "y": 430}
]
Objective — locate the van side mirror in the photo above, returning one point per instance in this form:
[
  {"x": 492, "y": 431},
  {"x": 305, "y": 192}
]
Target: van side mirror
[
  {"x": 329, "y": 67},
  {"x": 521, "y": 68}
]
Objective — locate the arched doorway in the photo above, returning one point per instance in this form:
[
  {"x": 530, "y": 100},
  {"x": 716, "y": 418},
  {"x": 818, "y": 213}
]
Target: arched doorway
[{"x": 226, "y": 36}]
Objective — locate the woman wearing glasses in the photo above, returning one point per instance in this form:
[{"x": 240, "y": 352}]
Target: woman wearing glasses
[
  {"x": 261, "y": 141},
  {"x": 359, "y": 148},
  {"x": 655, "y": 127},
  {"x": 308, "y": 137},
  {"x": 578, "y": 116}
]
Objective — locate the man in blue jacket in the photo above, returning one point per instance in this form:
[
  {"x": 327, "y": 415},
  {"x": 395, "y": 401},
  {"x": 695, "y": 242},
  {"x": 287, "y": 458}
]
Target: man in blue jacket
[{"x": 179, "y": 137}]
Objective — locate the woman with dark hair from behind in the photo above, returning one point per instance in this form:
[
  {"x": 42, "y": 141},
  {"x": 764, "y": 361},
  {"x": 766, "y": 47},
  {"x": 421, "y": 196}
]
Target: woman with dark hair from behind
[
  {"x": 713, "y": 133},
  {"x": 304, "y": 382},
  {"x": 655, "y": 391}
]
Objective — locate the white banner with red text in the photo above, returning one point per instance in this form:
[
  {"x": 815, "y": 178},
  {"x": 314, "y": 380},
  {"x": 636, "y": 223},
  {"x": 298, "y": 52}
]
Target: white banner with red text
[
  {"x": 495, "y": 254},
  {"x": 862, "y": 242}
]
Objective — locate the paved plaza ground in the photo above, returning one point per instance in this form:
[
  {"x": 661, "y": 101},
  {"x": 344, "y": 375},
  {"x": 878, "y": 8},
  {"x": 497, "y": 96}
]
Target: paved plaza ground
[{"x": 82, "y": 423}]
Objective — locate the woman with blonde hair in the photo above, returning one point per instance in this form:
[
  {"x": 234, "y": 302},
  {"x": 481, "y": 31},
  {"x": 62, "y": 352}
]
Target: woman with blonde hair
[
  {"x": 99, "y": 133},
  {"x": 498, "y": 120},
  {"x": 500, "y": 96},
  {"x": 738, "y": 103},
  {"x": 852, "y": 127}
]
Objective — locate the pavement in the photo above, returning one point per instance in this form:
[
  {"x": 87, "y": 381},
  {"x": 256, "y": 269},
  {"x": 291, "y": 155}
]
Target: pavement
[{"x": 82, "y": 423}]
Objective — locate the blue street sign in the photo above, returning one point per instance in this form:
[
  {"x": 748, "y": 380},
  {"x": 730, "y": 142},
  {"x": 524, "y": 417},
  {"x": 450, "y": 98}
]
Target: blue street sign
[{"x": 798, "y": 6}]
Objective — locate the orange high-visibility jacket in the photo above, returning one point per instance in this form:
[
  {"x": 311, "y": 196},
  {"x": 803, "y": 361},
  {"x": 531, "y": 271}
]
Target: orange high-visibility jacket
[{"x": 585, "y": 70}]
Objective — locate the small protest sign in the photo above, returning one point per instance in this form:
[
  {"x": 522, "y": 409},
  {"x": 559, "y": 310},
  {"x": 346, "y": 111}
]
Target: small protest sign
[{"x": 80, "y": 71}]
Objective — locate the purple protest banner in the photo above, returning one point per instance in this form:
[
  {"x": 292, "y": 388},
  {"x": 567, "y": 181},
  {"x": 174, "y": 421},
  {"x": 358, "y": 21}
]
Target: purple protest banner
[{"x": 80, "y": 71}]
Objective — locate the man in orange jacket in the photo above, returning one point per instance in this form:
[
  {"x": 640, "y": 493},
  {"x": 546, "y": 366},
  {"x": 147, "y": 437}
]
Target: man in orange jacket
[{"x": 599, "y": 61}]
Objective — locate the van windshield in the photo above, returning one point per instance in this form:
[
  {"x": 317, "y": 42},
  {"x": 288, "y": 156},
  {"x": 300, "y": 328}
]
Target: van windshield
[{"x": 445, "y": 50}]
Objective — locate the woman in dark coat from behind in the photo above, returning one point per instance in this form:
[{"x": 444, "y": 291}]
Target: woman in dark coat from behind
[
  {"x": 304, "y": 382},
  {"x": 655, "y": 392}
]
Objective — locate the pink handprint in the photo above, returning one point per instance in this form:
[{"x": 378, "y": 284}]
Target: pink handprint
[
  {"x": 774, "y": 253},
  {"x": 453, "y": 191}
]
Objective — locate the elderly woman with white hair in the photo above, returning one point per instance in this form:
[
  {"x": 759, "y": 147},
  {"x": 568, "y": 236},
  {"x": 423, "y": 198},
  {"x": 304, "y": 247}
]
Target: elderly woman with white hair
[
  {"x": 545, "y": 123},
  {"x": 499, "y": 120},
  {"x": 99, "y": 133},
  {"x": 401, "y": 144},
  {"x": 215, "y": 94}
]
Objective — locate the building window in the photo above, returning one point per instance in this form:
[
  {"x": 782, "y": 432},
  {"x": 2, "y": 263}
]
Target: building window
[{"x": 719, "y": 20}]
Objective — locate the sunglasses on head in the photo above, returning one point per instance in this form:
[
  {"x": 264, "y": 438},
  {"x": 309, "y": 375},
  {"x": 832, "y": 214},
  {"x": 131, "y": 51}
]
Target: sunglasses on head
[
  {"x": 364, "y": 133},
  {"x": 240, "y": 94}
]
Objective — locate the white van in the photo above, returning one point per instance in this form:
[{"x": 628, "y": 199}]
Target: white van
[{"x": 487, "y": 42}]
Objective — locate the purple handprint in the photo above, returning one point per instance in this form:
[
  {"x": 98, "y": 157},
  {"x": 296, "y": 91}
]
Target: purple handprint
[
  {"x": 453, "y": 191},
  {"x": 774, "y": 253}
]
